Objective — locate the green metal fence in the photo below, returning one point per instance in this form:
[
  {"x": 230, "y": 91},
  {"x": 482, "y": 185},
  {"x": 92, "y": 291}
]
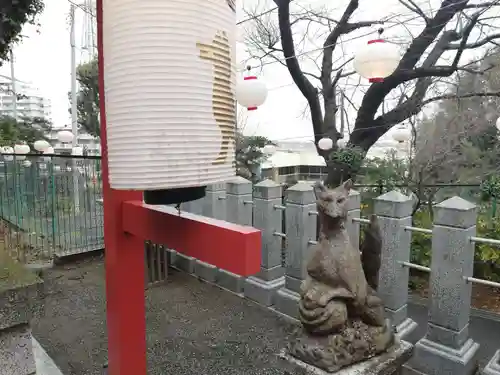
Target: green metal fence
[{"x": 50, "y": 206}]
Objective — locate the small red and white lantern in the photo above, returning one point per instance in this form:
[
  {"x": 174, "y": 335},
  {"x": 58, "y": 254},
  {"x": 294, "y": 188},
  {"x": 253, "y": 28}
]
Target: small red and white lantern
[
  {"x": 401, "y": 135},
  {"x": 41, "y": 145},
  {"x": 377, "y": 60},
  {"x": 20, "y": 150},
  {"x": 325, "y": 143},
  {"x": 251, "y": 92}
]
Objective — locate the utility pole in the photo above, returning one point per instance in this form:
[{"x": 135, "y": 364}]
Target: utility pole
[
  {"x": 74, "y": 119},
  {"x": 13, "y": 84}
]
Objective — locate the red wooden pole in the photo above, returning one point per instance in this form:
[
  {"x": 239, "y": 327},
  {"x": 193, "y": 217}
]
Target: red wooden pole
[{"x": 124, "y": 261}]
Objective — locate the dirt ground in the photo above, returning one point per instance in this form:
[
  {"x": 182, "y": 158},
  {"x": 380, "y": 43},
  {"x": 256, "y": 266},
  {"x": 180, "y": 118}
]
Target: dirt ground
[
  {"x": 483, "y": 297},
  {"x": 192, "y": 327}
]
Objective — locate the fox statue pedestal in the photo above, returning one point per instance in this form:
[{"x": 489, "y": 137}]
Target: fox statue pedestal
[
  {"x": 344, "y": 329},
  {"x": 388, "y": 363}
]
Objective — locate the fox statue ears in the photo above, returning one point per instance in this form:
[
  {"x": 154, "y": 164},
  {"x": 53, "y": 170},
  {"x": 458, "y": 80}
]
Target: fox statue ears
[
  {"x": 320, "y": 189},
  {"x": 348, "y": 185}
]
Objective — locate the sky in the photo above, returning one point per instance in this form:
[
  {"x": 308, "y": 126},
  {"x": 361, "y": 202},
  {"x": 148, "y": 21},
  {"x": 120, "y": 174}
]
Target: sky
[{"x": 43, "y": 58}]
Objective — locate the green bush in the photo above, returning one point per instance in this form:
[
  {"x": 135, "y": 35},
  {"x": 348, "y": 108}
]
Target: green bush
[
  {"x": 487, "y": 257},
  {"x": 421, "y": 244}
]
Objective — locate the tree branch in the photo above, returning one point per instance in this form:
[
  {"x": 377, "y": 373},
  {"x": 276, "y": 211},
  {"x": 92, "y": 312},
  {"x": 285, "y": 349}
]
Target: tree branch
[
  {"x": 476, "y": 44},
  {"x": 461, "y": 96},
  {"x": 411, "y": 5},
  {"x": 367, "y": 130},
  {"x": 292, "y": 63}
]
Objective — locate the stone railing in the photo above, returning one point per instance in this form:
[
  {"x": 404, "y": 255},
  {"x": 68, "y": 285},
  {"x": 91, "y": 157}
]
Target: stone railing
[{"x": 289, "y": 226}]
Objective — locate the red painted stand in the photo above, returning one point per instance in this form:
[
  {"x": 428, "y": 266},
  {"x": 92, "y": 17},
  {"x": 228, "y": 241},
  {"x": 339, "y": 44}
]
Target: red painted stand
[
  {"x": 128, "y": 222},
  {"x": 232, "y": 247}
]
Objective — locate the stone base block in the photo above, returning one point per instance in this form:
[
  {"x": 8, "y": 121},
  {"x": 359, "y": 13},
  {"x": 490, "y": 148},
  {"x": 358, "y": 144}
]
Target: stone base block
[
  {"x": 230, "y": 281},
  {"x": 171, "y": 257},
  {"x": 389, "y": 363},
  {"x": 406, "y": 330},
  {"x": 16, "y": 351},
  {"x": 185, "y": 263},
  {"x": 19, "y": 304},
  {"x": 493, "y": 367},
  {"x": 286, "y": 302},
  {"x": 262, "y": 291},
  {"x": 431, "y": 358},
  {"x": 205, "y": 271}
]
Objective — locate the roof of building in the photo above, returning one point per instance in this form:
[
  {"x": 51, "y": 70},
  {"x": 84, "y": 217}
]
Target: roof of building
[{"x": 291, "y": 159}]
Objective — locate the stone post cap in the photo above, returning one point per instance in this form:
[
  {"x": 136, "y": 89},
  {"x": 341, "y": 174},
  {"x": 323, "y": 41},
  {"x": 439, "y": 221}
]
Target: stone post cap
[
  {"x": 268, "y": 189},
  {"x": 239, "y": 186},
  {"x": 455, "y": 212},
  {"x": 301, "y": 193},
  {"x": 354, "y": 200},
  {"x": 393, "y": 204}
]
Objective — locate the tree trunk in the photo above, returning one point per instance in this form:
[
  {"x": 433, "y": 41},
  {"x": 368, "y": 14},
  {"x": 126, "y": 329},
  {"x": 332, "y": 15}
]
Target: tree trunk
[{"x": 338, "y": 173}]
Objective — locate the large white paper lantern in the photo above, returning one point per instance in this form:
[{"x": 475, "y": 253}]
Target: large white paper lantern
[
  {"x": 169, "y": 76},
  {"x": 20, "y": 150},
  {"x": 377, "y": 60},
  {"x": 65, "y": 136},
  {"x": 497, "y": 124},
  {"x": 251, "y": 92}
]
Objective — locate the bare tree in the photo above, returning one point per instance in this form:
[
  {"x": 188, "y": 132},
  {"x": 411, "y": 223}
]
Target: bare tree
[{"x": 445, "y": 32}]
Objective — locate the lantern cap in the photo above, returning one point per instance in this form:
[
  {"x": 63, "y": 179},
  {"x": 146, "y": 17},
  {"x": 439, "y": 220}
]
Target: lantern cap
[{"x": 174, "y": 196}]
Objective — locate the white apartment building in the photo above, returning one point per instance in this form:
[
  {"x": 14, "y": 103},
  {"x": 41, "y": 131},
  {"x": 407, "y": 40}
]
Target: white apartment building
[{"x": 29, "y": 102}]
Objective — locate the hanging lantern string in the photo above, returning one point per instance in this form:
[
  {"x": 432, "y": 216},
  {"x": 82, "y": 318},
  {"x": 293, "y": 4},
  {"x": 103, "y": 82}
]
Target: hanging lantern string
[
  {"x": 379, "y": 31},
  {"x": 326, "y": 134}
]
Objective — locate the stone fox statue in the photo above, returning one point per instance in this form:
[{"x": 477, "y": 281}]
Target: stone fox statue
[
  {"x": 219, "y": 54},
  {"x": 341, "y": 314}
]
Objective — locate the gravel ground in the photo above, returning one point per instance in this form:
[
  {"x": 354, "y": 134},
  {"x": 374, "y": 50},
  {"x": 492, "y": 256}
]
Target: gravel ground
[{"x": 192, "y": 327}]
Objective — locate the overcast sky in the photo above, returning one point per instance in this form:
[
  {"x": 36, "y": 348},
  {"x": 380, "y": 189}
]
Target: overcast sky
[{"x": 43, "y": 59}]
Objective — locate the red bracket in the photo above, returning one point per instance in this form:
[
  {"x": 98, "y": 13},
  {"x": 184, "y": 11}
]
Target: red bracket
[{"x": 234, "y": 248}]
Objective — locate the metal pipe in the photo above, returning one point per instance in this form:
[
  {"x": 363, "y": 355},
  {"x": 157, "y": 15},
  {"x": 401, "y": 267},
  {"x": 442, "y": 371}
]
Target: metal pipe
[
  {"x": 483, "y": 282},
  {"x": 418, "y": 230},
  {"x": 489, "y": 241},
  {"x": 360, "y": 220},
  {"x": 415, "y": 266}
]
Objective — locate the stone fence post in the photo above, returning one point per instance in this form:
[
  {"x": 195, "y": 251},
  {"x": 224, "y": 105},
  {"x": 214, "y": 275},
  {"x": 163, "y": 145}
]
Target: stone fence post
[
  {"x": 214, "y": 203},
  {"x": 268, "y": 217},
  {"x": 354, "y": 212},
  {"x": 300, "y": 231},
  {"x": 447, "y": 347},
  {"x": 194, "y": 207},
  {"x": 394, "y": 210},
  {"x": 239, "y": 201}
]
